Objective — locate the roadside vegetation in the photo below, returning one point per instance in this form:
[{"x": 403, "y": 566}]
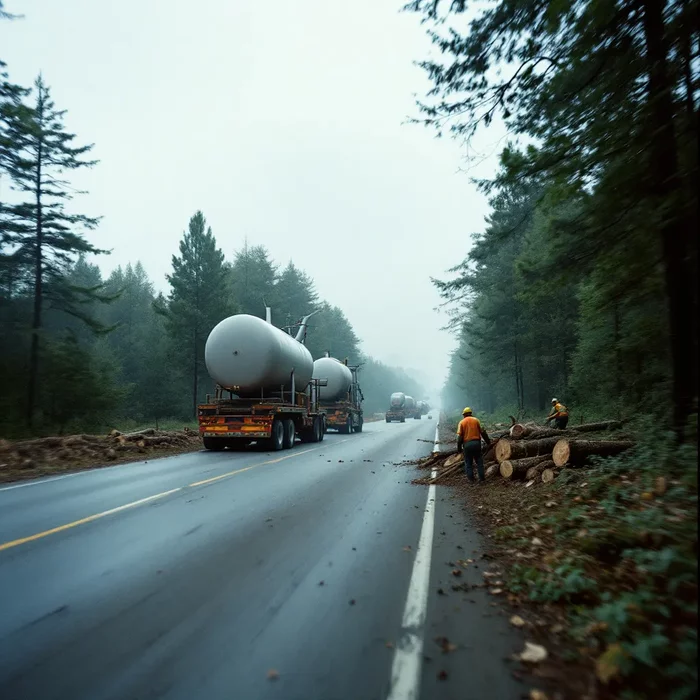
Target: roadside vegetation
[{"x": 600, "y": 567}]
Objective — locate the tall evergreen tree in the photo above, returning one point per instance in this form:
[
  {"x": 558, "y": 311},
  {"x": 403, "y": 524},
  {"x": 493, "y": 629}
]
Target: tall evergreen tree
[
  {"x": 253, "y": 277},
  {"x": 199, "y": 298},
  {"x": 295, "y": 295},
  {"x": 330, "y": 331},
  {"x": 609, "y": 90},
  {"x": 39, "y": 227}
]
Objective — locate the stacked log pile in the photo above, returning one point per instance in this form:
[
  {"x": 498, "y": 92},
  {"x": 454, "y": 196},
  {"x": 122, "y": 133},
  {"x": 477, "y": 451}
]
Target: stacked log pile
[
  {"x": 63, "y": 452},
  {"x": 532, "y": 453}
]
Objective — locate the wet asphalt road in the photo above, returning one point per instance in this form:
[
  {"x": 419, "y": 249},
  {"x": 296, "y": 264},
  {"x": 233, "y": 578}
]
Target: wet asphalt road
[{"x": 202, "y": 575}]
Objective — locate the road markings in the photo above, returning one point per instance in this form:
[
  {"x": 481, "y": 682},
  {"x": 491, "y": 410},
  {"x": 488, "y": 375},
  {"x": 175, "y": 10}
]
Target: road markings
[
  {"x": 408, "y": 657},
  {"x": 133, "y": 504},
  {"x": 39, "y": 482},
  {"x": 252, "y": 466},
  {"x": 82, "y": 521}
]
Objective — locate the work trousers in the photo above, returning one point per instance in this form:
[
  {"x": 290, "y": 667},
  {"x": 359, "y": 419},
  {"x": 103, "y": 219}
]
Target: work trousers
[
  {"x": 561, "y": 422},
  {"x": 472, "y": 451}
]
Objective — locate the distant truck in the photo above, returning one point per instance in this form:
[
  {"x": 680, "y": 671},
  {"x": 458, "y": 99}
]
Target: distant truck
[
  {"x": 265, "y": 391},
  {"x": 397, "y": 408},
  {"x": 412, "y": 408},
  {"x": 341, "y": 398}
]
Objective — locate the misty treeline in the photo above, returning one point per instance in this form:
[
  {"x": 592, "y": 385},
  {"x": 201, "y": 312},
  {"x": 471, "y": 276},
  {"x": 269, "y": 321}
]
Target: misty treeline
[
  {"x": 83, "y": 352},
  {"x": 583, "y": 284}
]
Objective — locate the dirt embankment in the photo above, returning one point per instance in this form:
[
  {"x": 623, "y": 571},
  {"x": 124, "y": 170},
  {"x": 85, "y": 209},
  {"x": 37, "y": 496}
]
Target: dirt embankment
[{"x": 29, "y": 459}]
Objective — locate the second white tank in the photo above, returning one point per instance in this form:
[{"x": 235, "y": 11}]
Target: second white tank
[
  {"x": 338, "y": 375},
  {"x": 245, "y": 354}
]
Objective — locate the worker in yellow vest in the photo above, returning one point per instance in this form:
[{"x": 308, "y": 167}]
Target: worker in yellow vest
[
  {"x": 469, "y": 436},
  {"x": 559, "y": 414}
]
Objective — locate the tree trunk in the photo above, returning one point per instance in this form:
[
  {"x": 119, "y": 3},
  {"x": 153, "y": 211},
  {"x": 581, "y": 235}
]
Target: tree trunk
[
  {"x": 676, "y": 238},
  {"x": 602, "y": 425},
  {"x": 534, "y": 472},
  {"x": 510, "y": 449},
  {"x": 38, "y": 285},
  {"x": 577, "y": 452},
  {"x": 518, "y": 468},
  {"x": 549, "y": 474}
]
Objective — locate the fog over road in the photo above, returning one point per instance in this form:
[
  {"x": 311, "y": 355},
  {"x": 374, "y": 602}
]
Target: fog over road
[{"x": 198, "y": 575}]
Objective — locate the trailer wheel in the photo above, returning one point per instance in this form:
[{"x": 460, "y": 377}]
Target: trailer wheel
[
  {"x": 213, "y": 444},
  {"x": 276, "y": 441},
  {"x": 388, "y": 420},
  {"x": 358, "y": 429},
  {"x": 317, "y": 430},
  {"x": 402, "y": 420},
  {"x": 289, "y": 433},
  {"x": 322, "y": 430},
  {"x": 417, "y": 417}
]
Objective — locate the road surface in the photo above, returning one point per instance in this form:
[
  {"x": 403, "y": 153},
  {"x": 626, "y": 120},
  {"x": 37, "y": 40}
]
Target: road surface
[{"x": 307, "y": 574}]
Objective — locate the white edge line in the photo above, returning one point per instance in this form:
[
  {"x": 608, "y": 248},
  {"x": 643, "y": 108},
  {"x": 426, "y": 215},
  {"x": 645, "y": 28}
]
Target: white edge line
[
  {"x": 39, "y": 482},
  {"x": 408, "y": 658}
]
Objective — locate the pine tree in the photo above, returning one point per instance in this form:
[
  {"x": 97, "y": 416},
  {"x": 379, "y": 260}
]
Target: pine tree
[
  {"x": 295, "y": 295},
  {"x": 39, "y": 227},
  {"x": 330, "y": 331},
  {"x": 253, "y": 277},
  {"x": 199, "y": 299},
  {"x": 608, "y": 91}
]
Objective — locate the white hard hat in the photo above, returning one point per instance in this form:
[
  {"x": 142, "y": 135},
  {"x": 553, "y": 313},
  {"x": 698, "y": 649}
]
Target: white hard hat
[{"x": 555, "y": 400}]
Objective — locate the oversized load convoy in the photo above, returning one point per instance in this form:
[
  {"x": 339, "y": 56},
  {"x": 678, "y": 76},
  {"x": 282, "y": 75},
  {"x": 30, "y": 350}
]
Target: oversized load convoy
[
  {"x": 270, "y": 391},
  {"x": 402, "y": 406},
  {"x": 341, "y": 397},
  {"x": 264, "y": 386}
]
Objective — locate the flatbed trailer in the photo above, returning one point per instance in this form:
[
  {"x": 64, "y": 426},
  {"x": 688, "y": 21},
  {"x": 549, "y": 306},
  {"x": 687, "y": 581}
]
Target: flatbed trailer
[
  {"x": 276, "y": 419},
  {"x": 343, "y": 416},
  {"x": 397, "y": 414}
]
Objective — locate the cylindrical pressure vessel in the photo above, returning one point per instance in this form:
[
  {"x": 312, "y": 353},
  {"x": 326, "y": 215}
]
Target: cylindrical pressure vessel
[
  {"x": 410, "y": 402},
  {"x": 245, "y": 354},
  {"x": 397, "y": 400},
  {"x": 338, "y": 375}
]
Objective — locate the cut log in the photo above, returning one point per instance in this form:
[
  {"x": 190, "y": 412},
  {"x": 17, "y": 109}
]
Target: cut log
[
  {"x": 577, "y": 452},
  {"x": 491, "y": 471},
  {"x": 521, "y": 430},
  {"x": 518, "y": 468},
  {"x": 602, "y": 425},
  {"x": 549, "y": 474},
  {"x": 518, "y": 449},
  {"x": 536, "y": 471},
  {"x": 452, "y": 460}
]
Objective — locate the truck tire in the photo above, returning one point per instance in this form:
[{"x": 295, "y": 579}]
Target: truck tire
[
  {"x": 213, "y": 444},
  {"x": 388, "y": 420},
  {"x": 322, "y": 431},
  {"x": 402, "y": 420},
  {"x": 358, "y": 428},
  {"x": 289, "y": 433},
  {"x": 276, "y": 440},
  {"x": 317, "y": 430},
  {"x": 417, "y": 417}
]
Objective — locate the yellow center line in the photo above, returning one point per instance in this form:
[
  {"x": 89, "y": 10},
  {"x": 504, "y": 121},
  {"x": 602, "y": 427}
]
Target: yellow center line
[
  {"x": 141, "y": 501},
  {"x": 82, "y": 521}
]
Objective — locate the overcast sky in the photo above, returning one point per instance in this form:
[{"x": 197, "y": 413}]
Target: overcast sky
[{"x": 283, "y": 122}]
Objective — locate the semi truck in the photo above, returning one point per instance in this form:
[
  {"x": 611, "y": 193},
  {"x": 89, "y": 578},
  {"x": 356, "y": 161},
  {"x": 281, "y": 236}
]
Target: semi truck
[
  {"x": 412, "y": 410},
  {"x": 265, "y": 392},
  {"x": 341, "y": 397},
  {"x": 397, "y": 408}
]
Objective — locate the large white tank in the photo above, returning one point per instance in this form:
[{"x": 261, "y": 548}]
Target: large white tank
[
  {"x": 397, "y": 400},
  {"x": 410, "y": 402},
  {"x": 245, "y": 354},
  {"x": 338, "y": 375}
]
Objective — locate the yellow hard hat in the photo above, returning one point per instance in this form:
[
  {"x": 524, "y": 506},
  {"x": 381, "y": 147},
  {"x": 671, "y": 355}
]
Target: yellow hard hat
[{"x": 466, "y": 410}]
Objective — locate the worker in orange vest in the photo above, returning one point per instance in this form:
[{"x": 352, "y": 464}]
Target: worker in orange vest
[
  {"x": 559, "y": 414},
  {"x": 469, "y": 435}
]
